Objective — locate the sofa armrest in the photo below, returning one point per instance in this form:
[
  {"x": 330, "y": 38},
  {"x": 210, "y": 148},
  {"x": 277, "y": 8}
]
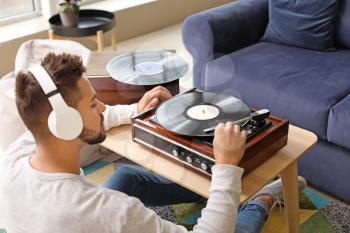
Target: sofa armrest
[{"x": 222, "y": 30}]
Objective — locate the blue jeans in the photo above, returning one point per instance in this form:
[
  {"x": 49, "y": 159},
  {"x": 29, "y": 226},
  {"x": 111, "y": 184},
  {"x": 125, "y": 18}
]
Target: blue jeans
[{"x": 155, "y": 190}]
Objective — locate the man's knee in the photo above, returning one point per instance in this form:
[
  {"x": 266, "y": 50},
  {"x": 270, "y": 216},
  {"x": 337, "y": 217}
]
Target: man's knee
[
  {"x": 127, "y": 172},
  {"x": 124, "y": 179}
]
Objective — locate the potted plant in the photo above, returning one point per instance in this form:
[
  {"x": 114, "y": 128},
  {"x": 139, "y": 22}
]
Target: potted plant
[{"x": 69, "y": 12}]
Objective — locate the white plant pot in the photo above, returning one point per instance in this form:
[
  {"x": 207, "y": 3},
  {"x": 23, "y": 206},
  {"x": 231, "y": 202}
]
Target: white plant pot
[{"x": 69, "y": 19}]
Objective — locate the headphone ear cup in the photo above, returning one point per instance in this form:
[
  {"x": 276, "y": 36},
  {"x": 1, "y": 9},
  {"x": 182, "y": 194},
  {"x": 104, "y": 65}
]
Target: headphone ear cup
[
  {"x": 67, "y": 125},
  {"x": 51, "y": 122}
]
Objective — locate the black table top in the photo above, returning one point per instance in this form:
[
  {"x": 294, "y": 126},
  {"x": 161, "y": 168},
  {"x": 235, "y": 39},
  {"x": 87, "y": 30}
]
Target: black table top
[{"x": 90, "y": 21}]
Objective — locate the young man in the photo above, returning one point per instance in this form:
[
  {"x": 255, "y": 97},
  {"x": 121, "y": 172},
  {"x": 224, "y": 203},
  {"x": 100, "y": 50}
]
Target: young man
[{"x": 41, "y": 189}]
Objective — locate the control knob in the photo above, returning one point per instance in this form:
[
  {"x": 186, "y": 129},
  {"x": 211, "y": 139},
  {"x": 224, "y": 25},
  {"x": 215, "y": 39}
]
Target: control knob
[
  {"x": 188, "y": 159},
  {"x": 204, "y": 166},
  {"x": 175, "y": 153}
]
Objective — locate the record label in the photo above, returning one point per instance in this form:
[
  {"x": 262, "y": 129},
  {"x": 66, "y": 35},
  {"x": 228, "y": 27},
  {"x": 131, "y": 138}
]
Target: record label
[
  {"x": 203, "y": 112},
  {"x": 149, "y": 68},
  {"x": 189, "y": 114}
]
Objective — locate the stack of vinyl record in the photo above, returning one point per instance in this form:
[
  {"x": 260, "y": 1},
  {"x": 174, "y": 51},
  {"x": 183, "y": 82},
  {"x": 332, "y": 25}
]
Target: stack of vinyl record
[
  {"x": 147, "y": 67},
  {"x": 123, "y": 78}
]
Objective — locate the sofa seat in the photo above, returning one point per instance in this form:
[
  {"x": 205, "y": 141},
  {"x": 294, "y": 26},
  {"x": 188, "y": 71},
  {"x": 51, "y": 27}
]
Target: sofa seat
[
  {"x": 339, "y": 123},
  {"x": 298, "y": 84}
]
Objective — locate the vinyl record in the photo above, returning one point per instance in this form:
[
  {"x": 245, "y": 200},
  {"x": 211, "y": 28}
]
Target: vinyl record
[
  {"x": 189, "y": 114},
  {"x": 147, "y": 67}
]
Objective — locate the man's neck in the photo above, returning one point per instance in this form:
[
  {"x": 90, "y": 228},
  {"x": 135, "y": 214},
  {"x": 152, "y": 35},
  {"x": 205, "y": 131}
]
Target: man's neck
[{"x": 57, "y": 156}]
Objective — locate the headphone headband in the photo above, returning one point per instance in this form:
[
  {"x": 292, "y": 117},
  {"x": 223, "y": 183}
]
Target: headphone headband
[
  {"x": 44, "y": 79},
  {"x": 48, "y": 86}
]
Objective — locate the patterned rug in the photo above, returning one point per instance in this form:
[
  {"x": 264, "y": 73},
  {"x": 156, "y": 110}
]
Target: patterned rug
[{"x": 318, "y": 213}]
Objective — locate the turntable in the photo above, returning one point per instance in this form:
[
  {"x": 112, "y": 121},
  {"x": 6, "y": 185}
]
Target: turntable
[{"x": 182, "y": 129}]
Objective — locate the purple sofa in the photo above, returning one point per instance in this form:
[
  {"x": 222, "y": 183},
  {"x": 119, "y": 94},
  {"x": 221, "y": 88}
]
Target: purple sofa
[{"x": 308, "y": 87}]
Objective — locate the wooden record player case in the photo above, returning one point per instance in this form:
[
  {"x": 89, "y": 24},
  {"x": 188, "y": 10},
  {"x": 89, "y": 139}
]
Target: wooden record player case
[{"x": 258, "y": 149}]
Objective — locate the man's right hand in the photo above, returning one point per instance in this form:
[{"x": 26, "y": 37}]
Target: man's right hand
[
  {"x": 229, "y": 143},
  {"x": 153, "y": 98}
]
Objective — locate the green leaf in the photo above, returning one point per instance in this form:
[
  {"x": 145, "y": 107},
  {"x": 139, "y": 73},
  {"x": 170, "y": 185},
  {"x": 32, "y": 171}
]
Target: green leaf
[
  {"x": 69, "y": 7},
  {"x": 64, "y": 8},
  {"x": 75, "y": 9}
]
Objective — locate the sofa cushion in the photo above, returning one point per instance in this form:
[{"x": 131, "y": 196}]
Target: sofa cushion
[
  {"x": 11, "y": 125},
  {"x": 342, "y": 26},
  {"x": 339, "y": 123},
  {"x": 33, "y": 51},
  {"x": 298, "y": 84},
  {"x": 305, "y": 24}
]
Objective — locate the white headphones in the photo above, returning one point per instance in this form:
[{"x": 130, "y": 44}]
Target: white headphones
[{"x": 64, "y": 121}]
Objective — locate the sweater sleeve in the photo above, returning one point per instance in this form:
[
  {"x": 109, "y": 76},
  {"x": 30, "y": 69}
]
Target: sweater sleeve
[
  {"x": 218, "y": 216},
  {"x": 118, "y": 115}
]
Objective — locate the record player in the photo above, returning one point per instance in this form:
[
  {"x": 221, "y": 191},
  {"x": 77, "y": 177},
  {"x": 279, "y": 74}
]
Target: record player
[{"x": 181, "y": 129}]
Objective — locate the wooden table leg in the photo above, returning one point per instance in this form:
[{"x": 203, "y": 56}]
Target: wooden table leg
[
  {"x": 100, "y": 44},
  {"x": 114, "y": 38},
  {"x": 291, "y": 196},
  {"x": 51, "y": 34}
]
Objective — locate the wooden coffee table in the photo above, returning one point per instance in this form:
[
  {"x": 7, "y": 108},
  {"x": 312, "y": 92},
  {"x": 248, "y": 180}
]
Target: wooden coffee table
[{"x": 283, "y": 163}]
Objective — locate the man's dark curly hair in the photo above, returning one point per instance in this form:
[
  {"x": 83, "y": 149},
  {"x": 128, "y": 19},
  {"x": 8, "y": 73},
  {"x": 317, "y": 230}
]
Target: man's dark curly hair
[{"x": 33, "y": 105}]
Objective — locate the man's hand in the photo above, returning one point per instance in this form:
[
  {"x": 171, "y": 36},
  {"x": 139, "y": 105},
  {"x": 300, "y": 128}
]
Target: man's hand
[
  {"x": 153, "y": 98},
  {"x": 229, "y": 143}
]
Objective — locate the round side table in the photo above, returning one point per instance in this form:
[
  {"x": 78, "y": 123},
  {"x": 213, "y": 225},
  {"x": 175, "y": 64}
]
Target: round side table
[{"x": 92, "y": 24}]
